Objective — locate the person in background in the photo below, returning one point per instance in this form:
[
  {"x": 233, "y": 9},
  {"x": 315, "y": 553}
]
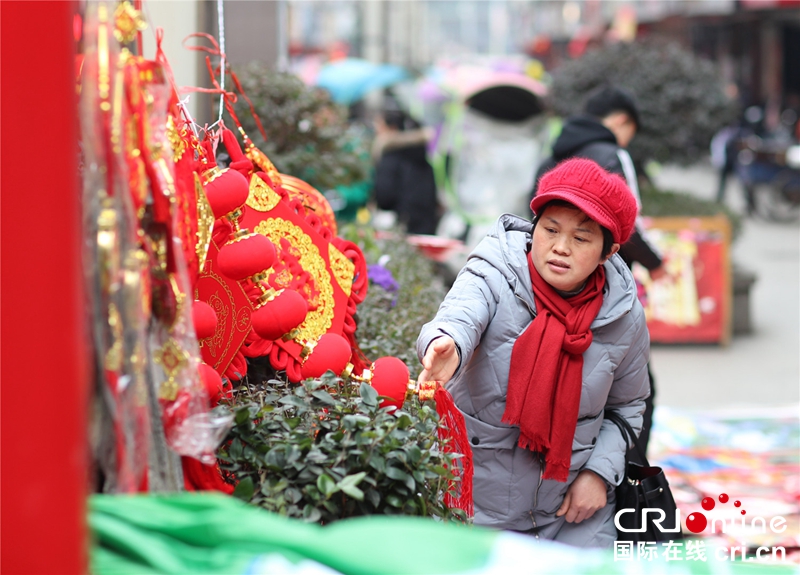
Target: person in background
[
  {"x": 541, "y": 333},
  {"x": 723, "y": 156},
  {"x": 609, "y": 123},
  {"x": 404, "y": 180}
]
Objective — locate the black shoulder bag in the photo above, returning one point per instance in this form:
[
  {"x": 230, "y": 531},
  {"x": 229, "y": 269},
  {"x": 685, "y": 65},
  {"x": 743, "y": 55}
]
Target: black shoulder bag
[{"x": 643, "y": 492}]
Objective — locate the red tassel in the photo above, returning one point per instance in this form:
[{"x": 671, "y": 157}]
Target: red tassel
[
  {"x": 453, "y": 434},
  {"x": 200, "y": 477}
]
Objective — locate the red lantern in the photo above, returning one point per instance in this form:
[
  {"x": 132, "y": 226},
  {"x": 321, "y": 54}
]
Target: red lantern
[
  {"x": 390, "y": 378},
  {"x": 226, "y": 190},
  {"x": 245, "y": 257},
  {"x": 280, "y": 315},
  {"x": 205, "y": 319},
  {"x": 332, "y": 352},
  {"x": 213, "y": 383}
]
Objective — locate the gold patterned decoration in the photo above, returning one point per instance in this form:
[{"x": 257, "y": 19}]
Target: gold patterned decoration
[
  {"x": 108, "y": 246},
  {"x": 175, "y": 140},
  {"x": 243, "y": 320},
  {"x": 113, "y": 359},
  {"x": 259, "y": 158},
  {"x": 136, "y": 279},
  {"x": 343, "y": 269},
  {"x": 172, "y": 358},
  {"x": 319, "y": 320},
  {"x": 180, "y": 297},
  {"x": 427, "y": 390},
  {"x": 205, "y": 223},
  {"x": 261, "y": 198},
  {"x": 223, "y": 310},
  {"x": 127, "y": 22}
]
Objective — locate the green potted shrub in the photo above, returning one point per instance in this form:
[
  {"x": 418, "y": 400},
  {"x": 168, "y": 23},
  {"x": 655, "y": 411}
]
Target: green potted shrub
[{"x": 326, "y": 450}]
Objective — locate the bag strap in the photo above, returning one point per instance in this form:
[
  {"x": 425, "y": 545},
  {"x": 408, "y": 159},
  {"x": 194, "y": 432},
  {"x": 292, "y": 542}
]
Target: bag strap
[{"x": 627, "y": 434}]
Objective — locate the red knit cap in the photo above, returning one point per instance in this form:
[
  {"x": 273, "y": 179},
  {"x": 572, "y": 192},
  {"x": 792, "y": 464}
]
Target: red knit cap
[{"x": 602, "y": 196}]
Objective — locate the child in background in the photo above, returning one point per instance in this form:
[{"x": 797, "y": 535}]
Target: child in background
[{"x": 540, "y": 334}]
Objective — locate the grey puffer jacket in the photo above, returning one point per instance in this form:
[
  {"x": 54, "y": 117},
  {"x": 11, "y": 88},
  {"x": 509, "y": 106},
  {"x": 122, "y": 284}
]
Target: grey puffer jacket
[{"x": 490, "y": 304}]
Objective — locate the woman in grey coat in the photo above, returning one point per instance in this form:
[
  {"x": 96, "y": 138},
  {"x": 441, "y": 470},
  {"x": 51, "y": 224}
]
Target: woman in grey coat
[{"x": 533, "y": 386}]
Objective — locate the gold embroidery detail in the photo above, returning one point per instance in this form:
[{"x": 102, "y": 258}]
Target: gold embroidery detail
[
  {"x": 127, "y": 22},
  {"x": 217, "y": 341},
  {"x": 205, "y": 223},
  {"x": 319, "y": 320},
  {"x": 242, "y": 322},
  {"x": 261, "y": 197},
  {"x": 175, "y": 140},
  {"x": 172, "y": 359},
  {"x": 212, "y": 174},
  {"x": 113, "y": 360},
  {"x": 261, "y": 160},
  {"x": 343, "y": 269},
  {"x": 180, "y": 297},
  {"x": 283, "y": 278}
]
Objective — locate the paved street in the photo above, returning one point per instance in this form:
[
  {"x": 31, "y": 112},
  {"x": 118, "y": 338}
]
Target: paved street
[{"x": 757, "y": 370}]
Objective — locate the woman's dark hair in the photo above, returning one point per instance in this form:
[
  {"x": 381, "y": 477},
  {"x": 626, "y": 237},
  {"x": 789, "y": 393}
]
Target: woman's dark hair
[{"x": 608, "y": 239}]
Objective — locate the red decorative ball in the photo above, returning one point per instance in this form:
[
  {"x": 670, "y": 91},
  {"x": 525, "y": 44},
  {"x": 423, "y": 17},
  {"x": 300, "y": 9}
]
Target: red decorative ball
[
  {"x": 213, "y": 383},
  {"x": 279, "y": 316},
  {"x": 390, "y": 378},
  {"x": 332, "y": 352},
  {"x": 246, "y": 257},
  {"x": 225, "y": 189},
  {"x": 205, "y": 319}
]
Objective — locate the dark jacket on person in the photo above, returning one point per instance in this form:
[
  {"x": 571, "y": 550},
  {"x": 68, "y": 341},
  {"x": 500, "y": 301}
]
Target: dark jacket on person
[
  {"x": 586, "y": 137},
  {"x": 404, "y": 180}
]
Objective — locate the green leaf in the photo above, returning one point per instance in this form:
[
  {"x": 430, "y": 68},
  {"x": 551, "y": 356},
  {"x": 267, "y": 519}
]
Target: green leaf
[
  {"x": 414, "y": 454},
  {"x": 368, "y": 394},
  {"x": 374, "y": 497},
  {"x": 293, "y": 401},
  {"x": 236, "y": 449},
  {"x": 394, "y": 501},
  {"x": 348, "y": 485},
  {"x": 324, "y": 397},
  {"x": 326, "y": 485},
  {"x": 311, "y": 514},
  {"x": 403, "y": 421},
  {"x": 353, "y": 492},
  {"x": 244, "y": 489},
  {"x": 394, "y": 473},
  {"x": 293, "y": 495},
  {"x": 378, "y": 463},
  {"x": 241, "y": 416}
]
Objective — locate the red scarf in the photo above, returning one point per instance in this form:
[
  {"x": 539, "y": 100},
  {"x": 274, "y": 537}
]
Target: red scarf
[{"x": 544, "y": 384}]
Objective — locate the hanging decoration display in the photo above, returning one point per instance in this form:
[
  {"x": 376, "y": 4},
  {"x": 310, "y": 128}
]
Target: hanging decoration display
[
  {"x": 143, "y": 210},
  {"x": 194, "y": 268}
]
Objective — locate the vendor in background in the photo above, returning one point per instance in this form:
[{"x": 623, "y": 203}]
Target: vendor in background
[
  {"x": 609, "y": 123},
  {"x": 404, "y": 180}
]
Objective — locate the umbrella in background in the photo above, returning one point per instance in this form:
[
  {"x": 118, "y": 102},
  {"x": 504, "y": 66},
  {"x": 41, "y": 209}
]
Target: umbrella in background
[
  {"x": 501, "y": 94},
  {"x": 349, "y": 79}
]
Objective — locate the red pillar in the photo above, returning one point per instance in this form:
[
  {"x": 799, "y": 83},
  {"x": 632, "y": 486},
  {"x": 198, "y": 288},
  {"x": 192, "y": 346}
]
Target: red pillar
[{"x": 43, "y": 370}]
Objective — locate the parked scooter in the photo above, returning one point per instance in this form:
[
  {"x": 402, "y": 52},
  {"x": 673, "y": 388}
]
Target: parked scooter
[{"x": 770, "y": 173}]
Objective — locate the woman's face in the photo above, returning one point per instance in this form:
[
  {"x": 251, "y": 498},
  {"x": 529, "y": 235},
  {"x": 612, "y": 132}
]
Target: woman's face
[{"x": 567, "y": 247}]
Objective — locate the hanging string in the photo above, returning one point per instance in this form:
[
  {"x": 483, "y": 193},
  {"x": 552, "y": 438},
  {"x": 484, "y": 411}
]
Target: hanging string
[{"x": 221, "y": 28}]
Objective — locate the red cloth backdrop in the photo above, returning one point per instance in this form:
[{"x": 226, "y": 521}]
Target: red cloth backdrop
[{"x": 44, "y": 370}]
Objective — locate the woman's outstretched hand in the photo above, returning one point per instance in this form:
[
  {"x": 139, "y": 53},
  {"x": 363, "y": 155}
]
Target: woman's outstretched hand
[
  {"x": 586, "y": 495},
  {"x": 440, "y": 361}
]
